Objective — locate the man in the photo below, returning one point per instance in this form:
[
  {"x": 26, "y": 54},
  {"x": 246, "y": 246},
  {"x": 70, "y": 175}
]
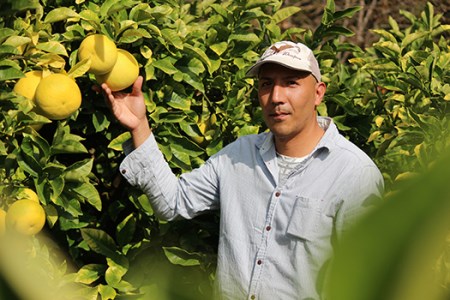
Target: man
[{"x": 285, "y": 196}]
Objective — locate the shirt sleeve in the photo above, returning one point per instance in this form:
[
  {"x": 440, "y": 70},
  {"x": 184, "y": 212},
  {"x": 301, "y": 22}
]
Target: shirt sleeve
[{"x": 170, "y": 196}]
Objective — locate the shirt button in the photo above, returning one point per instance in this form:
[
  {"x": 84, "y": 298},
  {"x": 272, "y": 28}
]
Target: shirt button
[
  {"x": 277, "y": 194},
  {"x": 124, "y": 171},
  {"x": 253, "y": 297},
  {"x": 259, "y": 262},
  {"x": 268, "y": 228}
]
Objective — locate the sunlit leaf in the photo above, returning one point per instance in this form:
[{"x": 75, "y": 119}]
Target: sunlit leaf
[
  {"x": 89, "y": 273},
  {"x": 284, "y": 13},
  {"x": 60, "y": 14},
  {"x": 181, "y": 257},
  {"x": 125, "y": 230},
  {"x": 53, "y": 47}
]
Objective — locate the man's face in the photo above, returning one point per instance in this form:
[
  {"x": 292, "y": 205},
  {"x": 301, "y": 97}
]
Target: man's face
[{"x": 288, "y": 99}]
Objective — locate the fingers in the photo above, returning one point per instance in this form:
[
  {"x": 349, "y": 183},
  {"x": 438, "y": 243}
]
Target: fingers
[
  {"x": 108, "y": 95},
  {"x": 137, "y": 86}
]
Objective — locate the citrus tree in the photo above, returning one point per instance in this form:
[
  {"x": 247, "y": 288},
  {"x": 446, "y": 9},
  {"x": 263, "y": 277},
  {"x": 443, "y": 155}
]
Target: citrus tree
[{"x": 193, "y": 56}]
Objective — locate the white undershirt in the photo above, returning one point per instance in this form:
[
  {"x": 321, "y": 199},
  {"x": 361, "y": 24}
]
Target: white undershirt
[{"x": 287, "y": 164}]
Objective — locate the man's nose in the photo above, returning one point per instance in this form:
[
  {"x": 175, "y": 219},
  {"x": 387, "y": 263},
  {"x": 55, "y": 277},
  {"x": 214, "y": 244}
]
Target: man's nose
[{"x": 277, "y": 94}]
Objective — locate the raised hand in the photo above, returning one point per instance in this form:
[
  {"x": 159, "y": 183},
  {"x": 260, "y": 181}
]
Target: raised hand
[{"x": 130, "y": 110}]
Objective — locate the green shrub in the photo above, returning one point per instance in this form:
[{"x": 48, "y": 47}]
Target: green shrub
[{"x": 391, "y": 101}]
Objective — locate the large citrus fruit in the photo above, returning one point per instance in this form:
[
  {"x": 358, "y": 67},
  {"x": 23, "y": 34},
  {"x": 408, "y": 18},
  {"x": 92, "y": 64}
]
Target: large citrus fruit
[
  {"x": 29, "y": 194},
  {"x": 26, "y": 86},
  {"x": 57, "y": 96},
  {"x": 124, "y": 73},
  {"x": 2, "y": 221},
  {"x": 101, "y": 50},
  {"x": 25, "y": 216}
]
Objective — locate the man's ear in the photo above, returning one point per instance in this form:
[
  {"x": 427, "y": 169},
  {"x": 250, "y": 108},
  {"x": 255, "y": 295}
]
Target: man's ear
[{"x": 320, "y": 92}]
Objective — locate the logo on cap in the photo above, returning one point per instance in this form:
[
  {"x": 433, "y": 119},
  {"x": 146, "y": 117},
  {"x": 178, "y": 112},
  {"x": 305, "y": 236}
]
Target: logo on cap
[{"x": 293, "y": 51}]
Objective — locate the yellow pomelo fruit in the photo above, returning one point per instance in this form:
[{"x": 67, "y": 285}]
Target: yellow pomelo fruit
[
  {"x": 202, "y": 126},
  {"x": 26, "y": 86},
  {"x": 57, "y": 96},
  {"x": 123, "y": 74},
  {"x": 25, "y": 217},
  {"x": 29, "y": 194},
  {"x": 2, "y": 221},
  {"x": 101, "y": 50}
]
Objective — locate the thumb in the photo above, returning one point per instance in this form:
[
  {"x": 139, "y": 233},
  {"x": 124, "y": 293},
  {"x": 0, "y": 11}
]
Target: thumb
[{"x": 137, "y": 86}]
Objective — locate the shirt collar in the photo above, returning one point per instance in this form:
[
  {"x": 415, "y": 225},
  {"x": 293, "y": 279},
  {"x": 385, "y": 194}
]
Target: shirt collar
[{"x": 327, "y": 141}]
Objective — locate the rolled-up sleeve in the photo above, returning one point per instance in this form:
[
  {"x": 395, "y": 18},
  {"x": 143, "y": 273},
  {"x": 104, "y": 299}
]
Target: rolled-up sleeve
[{"x": 170, "y": 196}]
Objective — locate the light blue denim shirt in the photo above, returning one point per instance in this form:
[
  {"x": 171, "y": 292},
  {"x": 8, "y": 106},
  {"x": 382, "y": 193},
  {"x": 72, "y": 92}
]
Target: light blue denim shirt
[{"x": 275, "y": 240}]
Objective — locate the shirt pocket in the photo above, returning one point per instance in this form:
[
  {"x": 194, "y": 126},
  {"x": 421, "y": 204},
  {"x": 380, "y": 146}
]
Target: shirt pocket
[{"x": 308, "y": 221}]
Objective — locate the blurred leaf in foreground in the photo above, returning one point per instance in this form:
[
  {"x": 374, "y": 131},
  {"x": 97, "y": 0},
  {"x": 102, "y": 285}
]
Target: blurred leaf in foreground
[{"x": 392, "y": 253}]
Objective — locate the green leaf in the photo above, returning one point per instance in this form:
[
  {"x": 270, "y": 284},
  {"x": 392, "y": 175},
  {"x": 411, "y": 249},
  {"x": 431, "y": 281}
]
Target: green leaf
[
  {"x": 221, "y": 10},
  {"x": 53, "y": 47},
  {"x": 219, "y": 48},
  {"x": 60, "y": 14},
  {"x": 199, "y": 53},
  {"x": 166, "y": 65},
  {"x": 99, "y": 242},
  {"x": 179, "y": 102},
  {"x": 413, "y": 224},
  {"x": 51, "y": 214},
  {"x": 5, "y": 33},
  {"x": 118, "y": 267},
  {"x": 125, "y": 230},
  {"x": 284, "y": 13},
  {"x": 79, "y": 171},
  {"x": 100, "y": 121},
  {"x": 385, "y": 34},
  {"x": 161, "y": 11},
  {"x": 142, "y": 202},
  {"x": 336, "y": 30},
  {"x": 106, "y": 292},
  {"x": 172, "y": 37},
  {"x": 40, "y": 143},
  {"x": 248, "y": 37},
  {"x": 178, "y": 256},
  {"x": 413, "y": 37},
  {"x": 116, "y": 144},
  {"x": 7, "y": 49},
  {"x": 133, "y": 35},
  {"x": 346, "y": 13},
  {"x": 89, "y": 273},
  {"x": 88, "y": 192},
  {"x": 194, "y": 81},
  {"x": 65, "y": 142},
  {"x": 32, "y": 169},
  {"x": 28, "y": 157},
  {"x": 80, "y": 68},
  {"x": 8, "y": 73}
]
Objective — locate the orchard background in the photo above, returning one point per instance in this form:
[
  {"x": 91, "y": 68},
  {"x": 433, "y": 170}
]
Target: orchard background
[{"x": 101, "y": 239}]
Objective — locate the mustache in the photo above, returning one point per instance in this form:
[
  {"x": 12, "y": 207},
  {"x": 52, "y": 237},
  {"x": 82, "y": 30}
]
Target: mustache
[{"x": 279, "y": 111}]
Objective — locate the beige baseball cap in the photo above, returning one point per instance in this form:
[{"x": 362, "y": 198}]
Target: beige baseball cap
[{"x": 291, "y": 55}]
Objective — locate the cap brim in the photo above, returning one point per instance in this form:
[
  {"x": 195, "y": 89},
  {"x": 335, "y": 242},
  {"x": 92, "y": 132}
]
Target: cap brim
[{"x": 254, "y": 70}]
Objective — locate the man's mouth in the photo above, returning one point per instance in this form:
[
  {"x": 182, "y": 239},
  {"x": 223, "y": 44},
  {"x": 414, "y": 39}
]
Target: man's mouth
[{"x": 279, "y": 115}]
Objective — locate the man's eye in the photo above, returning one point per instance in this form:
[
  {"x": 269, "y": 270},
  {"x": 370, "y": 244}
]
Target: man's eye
[{"x": 265, "y": 83}]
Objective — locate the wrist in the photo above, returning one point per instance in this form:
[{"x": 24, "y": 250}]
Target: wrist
[{"x": 140, "y": 133}]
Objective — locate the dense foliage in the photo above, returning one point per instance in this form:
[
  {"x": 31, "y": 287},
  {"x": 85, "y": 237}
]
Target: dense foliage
[{"x": 391, "y": 99}]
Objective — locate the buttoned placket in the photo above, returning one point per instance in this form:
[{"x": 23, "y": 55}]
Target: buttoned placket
[{"x": 260, "y": 258}]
